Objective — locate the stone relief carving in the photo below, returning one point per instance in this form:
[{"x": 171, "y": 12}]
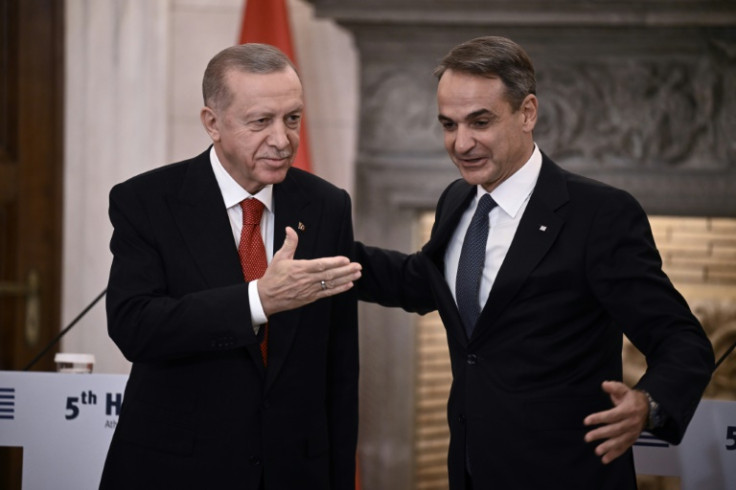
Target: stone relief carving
[
  {"x": 612, "y": 112},
  {"x": 399, "y": 110},
  {"x": 642, "y": 113}
]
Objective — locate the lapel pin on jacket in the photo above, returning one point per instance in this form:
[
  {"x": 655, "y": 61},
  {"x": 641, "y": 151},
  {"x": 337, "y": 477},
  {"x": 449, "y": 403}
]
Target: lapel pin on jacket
[
  {"x": 301, "y": 226},
  {"x": 542, "y": 228}
]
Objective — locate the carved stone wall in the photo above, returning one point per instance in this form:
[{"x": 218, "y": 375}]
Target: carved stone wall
[{"x": 640, "y": 94}]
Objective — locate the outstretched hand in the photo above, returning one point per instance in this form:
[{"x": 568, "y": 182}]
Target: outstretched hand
[
  {"x": 620, "y": 426},
  {"x": 289, "y": 283}
]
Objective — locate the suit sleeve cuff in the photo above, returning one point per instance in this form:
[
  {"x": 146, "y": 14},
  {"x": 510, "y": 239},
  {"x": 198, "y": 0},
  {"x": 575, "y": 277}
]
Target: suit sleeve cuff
[{"x": 257, "y": 315}]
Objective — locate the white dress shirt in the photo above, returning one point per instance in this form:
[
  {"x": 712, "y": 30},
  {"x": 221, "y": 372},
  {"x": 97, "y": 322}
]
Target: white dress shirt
[
  {"x": 232, "y": 195},
  {"x": 512, "y": 196}
]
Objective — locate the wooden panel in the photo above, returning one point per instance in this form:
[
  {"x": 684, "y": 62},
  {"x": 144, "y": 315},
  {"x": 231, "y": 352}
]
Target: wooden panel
[
  {"x": 31, "y": 170},
  {"x": 431, "y": 390}
]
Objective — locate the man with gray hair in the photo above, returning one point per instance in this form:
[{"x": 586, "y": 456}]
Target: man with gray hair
[{"x": 230, "y": 292}]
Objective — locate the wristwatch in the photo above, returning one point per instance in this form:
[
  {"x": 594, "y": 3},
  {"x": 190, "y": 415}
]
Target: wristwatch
[{"x": 655, "y": 413}]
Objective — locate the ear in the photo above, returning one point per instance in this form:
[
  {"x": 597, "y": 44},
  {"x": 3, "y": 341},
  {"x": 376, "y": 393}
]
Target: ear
[
  {"x": 529, "y": 112},
  {"x": 210, "y": 123}
]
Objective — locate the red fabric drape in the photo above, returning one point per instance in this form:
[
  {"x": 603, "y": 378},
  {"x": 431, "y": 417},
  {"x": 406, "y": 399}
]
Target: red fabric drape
[{"x": 267, "y": 21}]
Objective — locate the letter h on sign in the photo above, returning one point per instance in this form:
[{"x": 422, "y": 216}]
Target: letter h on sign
[{"x": 111, "y": 403}]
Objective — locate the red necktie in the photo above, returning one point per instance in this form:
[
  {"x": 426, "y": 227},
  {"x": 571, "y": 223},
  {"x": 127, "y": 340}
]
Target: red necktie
[{"x": 252, "y": 252}]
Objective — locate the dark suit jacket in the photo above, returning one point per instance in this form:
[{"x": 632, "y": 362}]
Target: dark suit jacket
[
  {"x": 582, "y": 269},
  {"x": 200, "y": 411}
]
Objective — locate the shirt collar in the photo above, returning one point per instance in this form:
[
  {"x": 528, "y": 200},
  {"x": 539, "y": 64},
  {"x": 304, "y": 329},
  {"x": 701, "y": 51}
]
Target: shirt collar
[
  {"x": 511, "y": 193},
  {"x": 232, "y": 192}
]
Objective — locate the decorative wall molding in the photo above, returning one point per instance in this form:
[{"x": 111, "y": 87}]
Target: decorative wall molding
[
  {"x": 648, "y": 110},
  {"x": 647, "y": 13}
]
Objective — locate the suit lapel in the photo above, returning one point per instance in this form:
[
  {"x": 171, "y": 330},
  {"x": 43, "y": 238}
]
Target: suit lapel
[
  {"x": 293, "y": 208},
  {"x": 450, "y": 210},
  {"x": 538, "y": 229},
  {"x": 201, "y": 215}
]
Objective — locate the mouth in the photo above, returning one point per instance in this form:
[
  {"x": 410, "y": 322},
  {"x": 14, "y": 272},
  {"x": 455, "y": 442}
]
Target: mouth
[
  {"x": 470, "y": 161},
  {"x": 277, "y": 160}
]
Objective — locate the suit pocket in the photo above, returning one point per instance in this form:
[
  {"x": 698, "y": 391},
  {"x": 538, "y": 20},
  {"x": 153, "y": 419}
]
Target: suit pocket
[{"x": 156, "y": 427}]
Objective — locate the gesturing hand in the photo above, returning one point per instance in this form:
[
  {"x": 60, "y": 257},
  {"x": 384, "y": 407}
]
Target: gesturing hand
[
  {"x": 289, "y": 283},
  {"x": 621, "y": 425}
]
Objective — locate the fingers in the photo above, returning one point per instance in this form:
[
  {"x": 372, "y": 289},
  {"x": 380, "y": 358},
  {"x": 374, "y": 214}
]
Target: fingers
[
  {"x": 617, "y": 438},
  {"x": 286, "y": 252},
  {"x": 332, "y": 288},
  {"x": 618, "y": 392},
  {"x": 616, "y": 389},
  {"x": 290, "y": 287},
  {"x": 619, "y": 427},
  {"x": 614, "y": 447},
  {"x": 338, "y": 275},
  {"x": 324, "y": 268},
  {"x": 289, "y": 283},
  {"x": 336, "y": 280}
]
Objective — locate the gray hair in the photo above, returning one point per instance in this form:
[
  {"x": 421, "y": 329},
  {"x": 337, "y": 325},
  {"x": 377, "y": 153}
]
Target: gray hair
[{"x": 248, "y": 58}]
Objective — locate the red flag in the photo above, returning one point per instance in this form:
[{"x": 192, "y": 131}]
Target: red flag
[{"x": 267, "y": 21}]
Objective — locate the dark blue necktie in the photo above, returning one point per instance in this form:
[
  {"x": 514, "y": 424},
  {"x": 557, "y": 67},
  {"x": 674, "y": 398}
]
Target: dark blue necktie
[{"x": 470, "y": 267}]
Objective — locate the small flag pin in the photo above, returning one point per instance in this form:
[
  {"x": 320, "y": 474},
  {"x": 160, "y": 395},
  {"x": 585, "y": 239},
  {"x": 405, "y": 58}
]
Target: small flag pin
[{"x": 301, "y": 226}]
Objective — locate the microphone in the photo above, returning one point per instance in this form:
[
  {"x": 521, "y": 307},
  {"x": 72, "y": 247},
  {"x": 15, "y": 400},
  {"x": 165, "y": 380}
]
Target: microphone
[{"x": 65, "y": 330}]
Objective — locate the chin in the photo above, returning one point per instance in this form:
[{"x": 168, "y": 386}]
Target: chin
[
  {"x": 476, "y": 177},
  {"x": 276, "y": 176}
]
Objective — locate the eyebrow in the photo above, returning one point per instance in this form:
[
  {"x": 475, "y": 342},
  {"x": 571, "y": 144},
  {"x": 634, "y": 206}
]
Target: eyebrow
[
  {"x": 269, "y": 112},
  {"x": 472, "y": 115}
]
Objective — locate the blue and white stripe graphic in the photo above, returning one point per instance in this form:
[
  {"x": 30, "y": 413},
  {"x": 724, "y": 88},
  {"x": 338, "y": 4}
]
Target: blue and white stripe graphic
[
  {"x": 7, "y": 403},
  {"x": 646, "y": 439}
]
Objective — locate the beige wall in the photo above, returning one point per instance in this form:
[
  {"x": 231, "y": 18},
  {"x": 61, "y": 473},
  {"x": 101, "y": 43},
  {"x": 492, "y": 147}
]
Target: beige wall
[{"x": 134, "y": 70}]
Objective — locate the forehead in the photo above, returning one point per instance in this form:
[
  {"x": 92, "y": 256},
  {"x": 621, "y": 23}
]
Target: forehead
[
  {"x": 281, "y": 85},
  {"x": 464, "y": 93}
]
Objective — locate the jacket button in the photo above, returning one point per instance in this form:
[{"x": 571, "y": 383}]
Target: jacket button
[
  {"x": 255, "y": 460},
  {"x": 461, "y": 419},
  {"x": 472, "y": 359}
]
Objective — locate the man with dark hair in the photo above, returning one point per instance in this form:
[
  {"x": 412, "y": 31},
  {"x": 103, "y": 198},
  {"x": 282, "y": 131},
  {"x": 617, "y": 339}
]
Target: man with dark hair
[
  {"x": 536, "y": 273},
  {"x": 245, "y": 361}
]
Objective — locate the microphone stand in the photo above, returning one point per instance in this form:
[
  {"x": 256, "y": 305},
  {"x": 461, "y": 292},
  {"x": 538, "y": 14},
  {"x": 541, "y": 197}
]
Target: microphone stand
[
  {"x": 64, "y": 331},
  {"x": 725, "y": 355}
]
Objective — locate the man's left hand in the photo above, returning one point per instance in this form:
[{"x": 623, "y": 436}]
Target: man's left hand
[{"x": 620, "y": 426}]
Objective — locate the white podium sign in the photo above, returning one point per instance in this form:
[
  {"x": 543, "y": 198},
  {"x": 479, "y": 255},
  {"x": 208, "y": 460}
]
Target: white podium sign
[
  {"x": 63, "y": 422},
  {"x": 706, "y": 457}
]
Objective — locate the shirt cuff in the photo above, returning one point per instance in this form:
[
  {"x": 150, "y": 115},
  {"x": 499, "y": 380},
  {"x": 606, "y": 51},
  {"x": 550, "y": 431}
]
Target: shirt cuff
[{"x": 257, "y": 315}]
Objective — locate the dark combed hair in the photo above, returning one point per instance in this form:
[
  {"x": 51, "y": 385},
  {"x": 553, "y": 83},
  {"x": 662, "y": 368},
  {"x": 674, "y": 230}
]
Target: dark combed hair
[
  {"x": 494, "y": 56},
  {"x": 248, "y": 58}
]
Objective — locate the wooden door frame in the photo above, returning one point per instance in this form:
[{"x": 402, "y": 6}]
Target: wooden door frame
[
  {"x": 31, "y": 184},
  {"x": 31, "y": 171}
]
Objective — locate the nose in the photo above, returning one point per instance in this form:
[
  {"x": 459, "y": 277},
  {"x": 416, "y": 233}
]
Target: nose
[
  {"x": 279, "y": 135},
  {"x": 464, "y": 139}
]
